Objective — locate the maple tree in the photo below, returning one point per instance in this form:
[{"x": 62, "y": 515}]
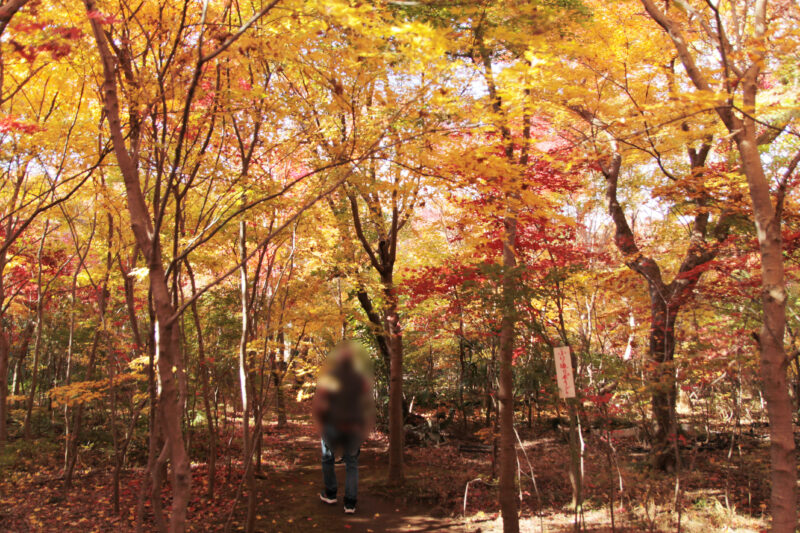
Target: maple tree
[
  {"x": 734, "y": 98},
  {"x": 626, "y": 121}
]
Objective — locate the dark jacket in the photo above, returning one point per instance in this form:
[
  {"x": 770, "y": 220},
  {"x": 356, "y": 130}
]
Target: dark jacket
[{"x": 342, "y": 398}]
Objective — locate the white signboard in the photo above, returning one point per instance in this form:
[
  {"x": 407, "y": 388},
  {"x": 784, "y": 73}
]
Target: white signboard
[{"x": 566, "y": 381}]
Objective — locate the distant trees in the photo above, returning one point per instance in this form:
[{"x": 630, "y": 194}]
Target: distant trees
[{"x": 41, "y": 132}]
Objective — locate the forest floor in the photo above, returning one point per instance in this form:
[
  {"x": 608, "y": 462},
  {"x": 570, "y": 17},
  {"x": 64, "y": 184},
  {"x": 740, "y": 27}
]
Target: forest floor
[{"x": 719, "y": 491}]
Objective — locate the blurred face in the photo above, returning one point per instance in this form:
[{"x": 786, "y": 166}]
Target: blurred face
[{"x": 344, "y": 356}]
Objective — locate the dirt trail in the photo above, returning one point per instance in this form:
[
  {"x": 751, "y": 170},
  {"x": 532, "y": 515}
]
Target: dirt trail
[{"x": 290, "y": 502}]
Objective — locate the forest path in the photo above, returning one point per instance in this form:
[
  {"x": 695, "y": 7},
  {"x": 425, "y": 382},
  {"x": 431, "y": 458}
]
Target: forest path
[{"x": 288, "y": 498}]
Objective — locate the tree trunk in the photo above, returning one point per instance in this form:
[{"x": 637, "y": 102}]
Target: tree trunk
[
  {"x": 77, "y": 415},
  {"x": 768, "y": 229},
  {"x": 395, "y": 345},
  {"x": 4, "y": 349},
  {"x": 150, "y": 246},
  {"x": 37, "y": 345},
  {"x": 7, "y": 12},
  {"x": 206, "y": 390},
  {"x": 383, "y": 261},
  {"x": 774, "y": 362},
  {"x": 278, "y": 373},
  {"x": 377, "y": 329},
  {"x": 155, "y": 443},
  {"x": 114, "y": 437},
  {"x": 22, "y": 353},
  {"x": 5, "y": 346},
  {"x": 280, "y": 402},
  {"x": 505, "y": 392},
  {"x": 665, "y": 302},
  {"x": 244, "y": 383},
  {"x": 170, "y": 409},
  {"x": 71, "y": 452},
  {"x": 662, "y": 382},
  {"x": 70, "y": 350},
  {"x": 461, "y": 374}
]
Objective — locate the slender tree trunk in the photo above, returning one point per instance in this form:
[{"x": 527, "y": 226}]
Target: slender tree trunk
[
  {"x": 278, "y": 374},
  {"x": 77, "y": 415},
  {"x": 159, "y": 461},
  {"x": 206, "y": 390},
  {"x": 114, "y": 437},
  {"x": 22, "y": 353},
  {"x": 395, "y": 345},
  {"x": 505, "y": 393},
  {"x": 73, "y": 298},
  {"x": 5, "y": 342},
  {"x": 37, "y": 345},
  {"x": 68, "y": 377},
  {"x": 7, "y": 12},
  {"x": 461, "y": 374},
  {"x": 280, "y": 402},
  {"x": 774, "y": 362},
  {"x": 4, "y": 349},
  {"x": 155, "y": 443},
  {"x": 488, "y": 390},
  {"x": 71, "y": 454},
  {"x": 243, "y": 383}
]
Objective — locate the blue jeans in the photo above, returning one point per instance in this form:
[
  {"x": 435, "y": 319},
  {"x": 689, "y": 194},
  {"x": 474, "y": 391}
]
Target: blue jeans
[{"x": 350, "y": 444}]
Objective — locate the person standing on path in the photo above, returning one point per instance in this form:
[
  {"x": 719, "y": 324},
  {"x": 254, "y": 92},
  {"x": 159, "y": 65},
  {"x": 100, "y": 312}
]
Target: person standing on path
[{"x": 342, "y": 411}]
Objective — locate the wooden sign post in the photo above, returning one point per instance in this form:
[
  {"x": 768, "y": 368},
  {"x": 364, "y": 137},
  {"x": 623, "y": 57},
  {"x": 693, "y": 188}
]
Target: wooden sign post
[
  {"x": 566, "y": 390},
  {"x": 566, "y": 381}
]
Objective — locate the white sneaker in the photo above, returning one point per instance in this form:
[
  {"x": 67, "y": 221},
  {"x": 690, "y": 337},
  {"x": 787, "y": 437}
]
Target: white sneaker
[{"x": 329, "y": 501}]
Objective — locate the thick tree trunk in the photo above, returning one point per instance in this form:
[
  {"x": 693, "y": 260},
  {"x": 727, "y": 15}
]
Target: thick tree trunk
[
  {"x": 505, "y": 393},
  {"x": 382, "y": 259},
  {"x": 665, "y": 302},
  {"x": 662, "y": 382},
  {"x": 171, "y": 422}
]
